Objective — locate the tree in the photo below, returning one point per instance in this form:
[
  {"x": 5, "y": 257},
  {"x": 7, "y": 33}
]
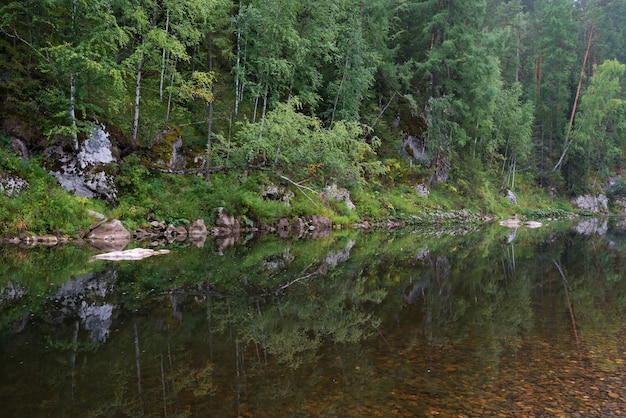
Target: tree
[
  {"x": 599, "y": 123},
  {"x": 299, "y": 145},
  {"x": 554, "y": 74},
  {"x": 513, "y": 131},
  {"x": 78, "y": 53}
]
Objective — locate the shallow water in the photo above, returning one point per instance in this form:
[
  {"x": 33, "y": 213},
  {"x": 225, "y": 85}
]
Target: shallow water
[{"x": 487, "y": 323}]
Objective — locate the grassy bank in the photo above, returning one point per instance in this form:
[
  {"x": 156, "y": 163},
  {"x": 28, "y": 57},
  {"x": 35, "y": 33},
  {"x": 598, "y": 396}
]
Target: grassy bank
[{"x": 144, "y": 195}]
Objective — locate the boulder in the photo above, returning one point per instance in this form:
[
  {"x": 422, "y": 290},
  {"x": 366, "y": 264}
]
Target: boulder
[
  {"x": 298, "y": 227},
  {"x": 320, "y": 226},
  {"x": 340, "y": 194},
  {"x": 227, "y": 224},
  {"x": 197, "y": 228},
  {"x": 510, "y": 196},
  {"x": 134, "y": 254},
  {"x": 109, "y": 235},
  {"x": 283, "y": 228}
]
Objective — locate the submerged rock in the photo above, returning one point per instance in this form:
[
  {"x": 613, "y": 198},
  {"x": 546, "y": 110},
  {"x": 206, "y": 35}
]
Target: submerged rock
[{"x": 134, "y": 254}]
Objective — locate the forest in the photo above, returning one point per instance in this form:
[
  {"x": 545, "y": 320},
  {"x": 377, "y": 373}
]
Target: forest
[{"x": 469, "y": 98}]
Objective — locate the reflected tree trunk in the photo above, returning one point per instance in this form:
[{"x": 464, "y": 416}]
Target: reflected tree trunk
[{"x": 138, "y": 364}]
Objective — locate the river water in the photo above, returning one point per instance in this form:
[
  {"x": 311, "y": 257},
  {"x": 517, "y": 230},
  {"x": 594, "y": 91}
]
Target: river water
[{"x": 408, "y": 323}]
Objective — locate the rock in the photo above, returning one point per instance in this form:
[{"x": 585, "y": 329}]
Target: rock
[
  {"x": 298, "y": 227},
  {"x": 90, "y": 173},
  {"x": 278, "y": 193},
  {"x": 198, "y": 233},
  {"x": 340, "y": 194},
  {"x": 197, "y": 228},
  {"x": 414, "y": 148},
  {"x": 109, "y": 235},
  {"x": 422, "y": 190},
  {"x": 134, "y": 254},
  {"x": 594, "y": 204},
  {"x": 227, "y": 224},
  {"x": 320, "y": 226},
  {"x": 511, "y": 223},
  {"x": 591, "y": 227},
  {"x": 47, "y": 240},
  {"x": 18, "y": 146},
  {"x": 510, "y": 196},
  {"x": 283, "y": 227},
  {"x": 12, "y": 185},
  {"x": 167, "y": 151},
  {"x": 177, "y": 232},
  {"x": 533, "y": 224}
]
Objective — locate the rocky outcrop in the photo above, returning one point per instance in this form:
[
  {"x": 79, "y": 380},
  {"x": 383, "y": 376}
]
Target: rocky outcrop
[
  {"x": 592, "y": 227},
  {"x": 90, "y": 173},
  {"x": 598, "y": 203}
]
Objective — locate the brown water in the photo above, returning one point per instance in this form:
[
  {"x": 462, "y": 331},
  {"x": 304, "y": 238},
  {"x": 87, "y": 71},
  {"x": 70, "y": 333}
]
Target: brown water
[{"x": 403, "y": 324}]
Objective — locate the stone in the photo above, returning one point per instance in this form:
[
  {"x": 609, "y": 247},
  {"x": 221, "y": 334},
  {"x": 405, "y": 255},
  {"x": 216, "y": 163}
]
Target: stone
[
  {"x": 227, "y": 223},
  {"x": 90, "y": 172},
  {"x": 12, "y": 185},
  {"x": 283, "y": 227},
  {"x": 278, "y": 193},
  {"x": 320, "y": 226},
  {"x": 422, "y": 190},
  {"x": 340, "y": 194},
  {"x": 598, "y": 203},
  {"x": 510, "y": 196},
  {"x": 298, "y": 227},
  {"x": 134, "y": 254},
  {"x": 112, "y": 232},
  {"x": 197, "y": 228}
]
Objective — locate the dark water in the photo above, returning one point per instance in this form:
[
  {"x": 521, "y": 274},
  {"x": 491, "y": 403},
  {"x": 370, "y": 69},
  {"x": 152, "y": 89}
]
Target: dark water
[{"x": 406, "y": 324}]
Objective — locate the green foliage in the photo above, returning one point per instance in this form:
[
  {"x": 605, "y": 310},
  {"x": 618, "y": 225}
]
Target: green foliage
[
  {"x": 597, "y": 140},
  {"x": 617, "y": 189},
  {"x": 291, "y": 142}
]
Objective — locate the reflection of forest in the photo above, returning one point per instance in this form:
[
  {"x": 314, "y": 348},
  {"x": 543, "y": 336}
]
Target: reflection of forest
[{"x": 304, "y": 325}]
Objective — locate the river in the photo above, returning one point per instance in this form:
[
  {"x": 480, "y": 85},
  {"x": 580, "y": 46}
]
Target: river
[{"x": 409, "y": 323}]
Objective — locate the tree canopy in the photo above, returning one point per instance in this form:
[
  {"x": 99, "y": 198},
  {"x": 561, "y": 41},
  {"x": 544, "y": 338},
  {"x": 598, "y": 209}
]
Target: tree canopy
[{"x": 532, "y": 82}]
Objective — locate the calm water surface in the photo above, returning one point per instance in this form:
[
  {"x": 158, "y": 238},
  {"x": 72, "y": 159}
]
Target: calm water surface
[{"x": 487, "y": 323}]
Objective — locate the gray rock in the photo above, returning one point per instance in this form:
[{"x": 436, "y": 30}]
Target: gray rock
[
  {"x": 510, "y": 196},
  {"x": 279, "y": 193},
  {"x": 12, "y": 185},
  {"x": 340, "y": 194},
  {"x": 422, "y": 190},
  {"x": 88, "y": 173},
  {"x": 594, "y": 204}
]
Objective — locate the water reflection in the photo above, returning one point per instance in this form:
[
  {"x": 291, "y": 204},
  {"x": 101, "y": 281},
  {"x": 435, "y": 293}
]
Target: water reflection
[{"x": 347, "y": 325}]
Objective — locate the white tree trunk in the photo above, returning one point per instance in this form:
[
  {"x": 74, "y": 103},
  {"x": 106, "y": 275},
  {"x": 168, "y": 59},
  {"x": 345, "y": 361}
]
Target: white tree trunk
[
  {"x": 137, "y": 96},
  {"x": 73, "y": 110},
  {"x": 167, "y": 27}
]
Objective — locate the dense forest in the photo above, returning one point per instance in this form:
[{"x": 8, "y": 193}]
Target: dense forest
[{"x": 329, "y": 90}]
